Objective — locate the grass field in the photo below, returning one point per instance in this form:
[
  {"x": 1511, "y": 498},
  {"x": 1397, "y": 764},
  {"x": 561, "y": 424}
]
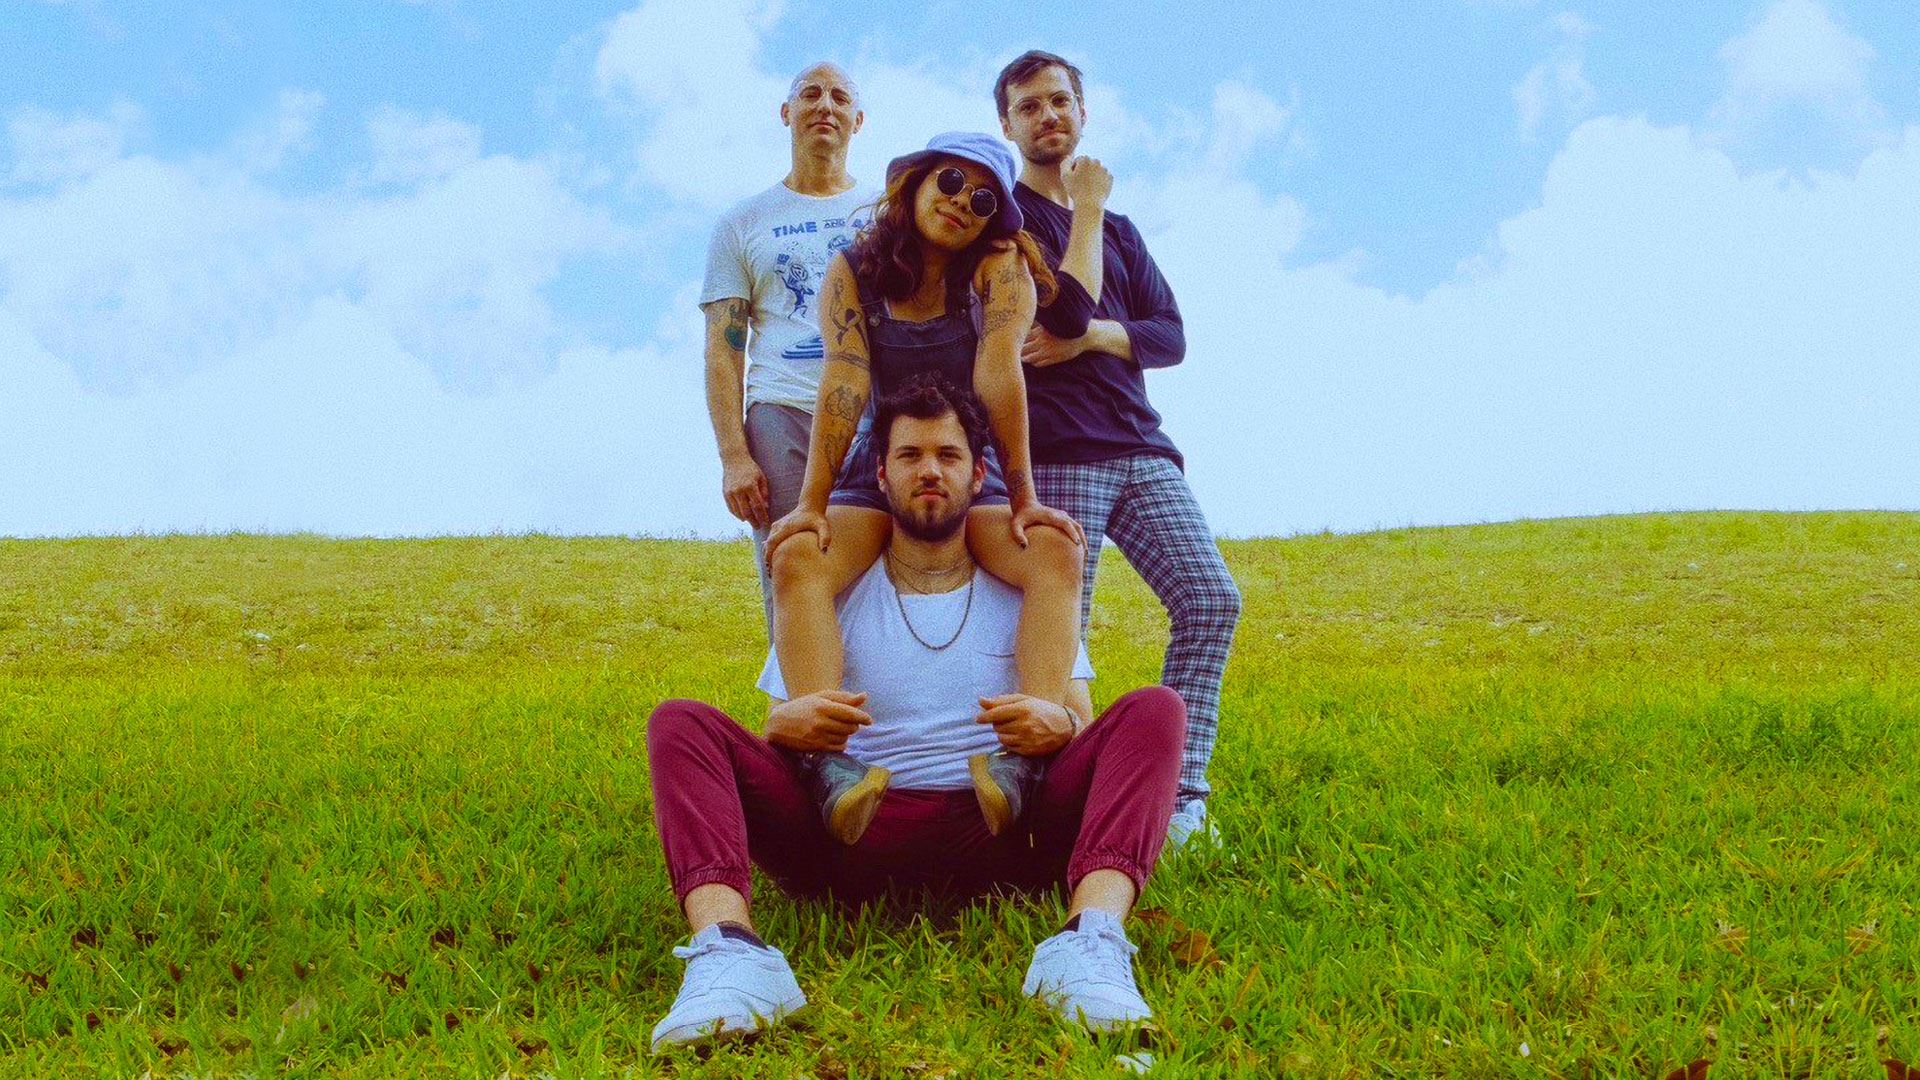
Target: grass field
[{"x": 1572, "y": 798}]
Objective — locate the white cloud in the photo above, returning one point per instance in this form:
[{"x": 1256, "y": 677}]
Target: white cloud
[
  {"x": 909, "y": 103},
  {"x": 707, "y": 119},
  {"x": 48, "y": 148},
  {"x": 1243, "y": 118},
  {"x": 1797, "y": 86},
  {"x": 330, "y": 425},
  {"x": 458, "y": 266},
  {"x": 1206, "y": 187},
  {"x": 1660, "y": 332},
  {"x": 289, "y": 131},
  {"x": 1797, "y": 50},
  {"x": 1557, "y": 88},
  {"x": 408, "y": 147},
  {"x": 183, "y": 346},
  {"x": 141, "y": 271},
  {"x": 709, "y": 113}
]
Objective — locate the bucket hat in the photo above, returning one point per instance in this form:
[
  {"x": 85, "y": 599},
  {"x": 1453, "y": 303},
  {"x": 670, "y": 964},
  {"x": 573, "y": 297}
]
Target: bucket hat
[{"x": 984, "y": 150}]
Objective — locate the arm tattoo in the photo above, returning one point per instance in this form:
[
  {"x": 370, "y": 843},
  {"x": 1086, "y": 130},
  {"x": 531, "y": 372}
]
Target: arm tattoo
[
  {"x": 736, "y": 326},
  {"x": 835, "y": 447},
  {"x": 1018, "y": 483},
  {"x": 844, "y": 314},
  {"x": 1003, "y": 316},
  {"x": 849, "y": 358},
  {"x": 848, "y": 322},
  {"x": 844, "y": 404}
]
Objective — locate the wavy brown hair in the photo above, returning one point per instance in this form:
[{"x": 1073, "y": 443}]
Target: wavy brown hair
[{"x": 886, "y": 257}]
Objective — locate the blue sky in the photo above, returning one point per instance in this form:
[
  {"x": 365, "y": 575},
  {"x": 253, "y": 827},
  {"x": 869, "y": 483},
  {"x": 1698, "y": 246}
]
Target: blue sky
[{"x": 390, "y": 267}]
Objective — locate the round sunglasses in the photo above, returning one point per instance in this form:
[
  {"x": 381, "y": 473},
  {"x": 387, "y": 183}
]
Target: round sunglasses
[{"x": 983, "y": 202}]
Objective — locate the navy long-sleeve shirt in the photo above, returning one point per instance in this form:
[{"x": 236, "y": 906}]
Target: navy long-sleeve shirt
[{"x": 1094, "y": 407}]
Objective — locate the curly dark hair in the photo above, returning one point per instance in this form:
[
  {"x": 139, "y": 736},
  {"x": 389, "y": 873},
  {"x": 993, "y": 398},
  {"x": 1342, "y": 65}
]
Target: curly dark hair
[
  {"x": 929, "y": 396},
  {"x": 886, "y": 260}
]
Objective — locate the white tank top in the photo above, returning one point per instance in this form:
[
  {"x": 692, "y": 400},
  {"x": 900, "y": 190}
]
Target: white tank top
[{"x": 923, "y": 701}]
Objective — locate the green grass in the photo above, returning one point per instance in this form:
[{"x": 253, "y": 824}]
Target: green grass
[{"x": 1627, "y": 791}]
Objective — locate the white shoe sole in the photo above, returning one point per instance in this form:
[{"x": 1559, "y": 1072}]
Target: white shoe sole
[{"x": 716, "y": 1032}]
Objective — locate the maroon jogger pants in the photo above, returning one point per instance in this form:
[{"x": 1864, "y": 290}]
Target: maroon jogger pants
[{"x": 723, "y": 796}]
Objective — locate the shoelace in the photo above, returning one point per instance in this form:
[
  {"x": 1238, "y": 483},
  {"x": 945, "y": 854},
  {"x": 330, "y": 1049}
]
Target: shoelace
[
  {"x": 717, "y": 945},
  {"x": 1104, "y": 945}
]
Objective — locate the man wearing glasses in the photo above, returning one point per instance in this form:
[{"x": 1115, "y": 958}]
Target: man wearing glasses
[
  {"x": 765, "y": 263},
  {"x": 1098, "y": 450}
]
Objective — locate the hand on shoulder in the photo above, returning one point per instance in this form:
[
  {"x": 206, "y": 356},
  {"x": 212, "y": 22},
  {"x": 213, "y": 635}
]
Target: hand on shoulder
[
  {"x": 1000, "y": 254},
  {"x": 999, "y": 267}
]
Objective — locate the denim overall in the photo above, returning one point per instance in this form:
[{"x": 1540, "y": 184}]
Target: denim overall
[{"x": 898, "y": 350}]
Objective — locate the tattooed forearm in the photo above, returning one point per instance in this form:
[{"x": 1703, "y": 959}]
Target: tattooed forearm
[
  {"x": 849, "y": 358},
  {"x": 1019, "y": 484},
  {"x": 736, "y": 326},
  {"x": 833, "y": 447},
  {"x": 998, "y": 319},
  {"x": 833, "y": 428},
  {"x": 842, "y": 403}
]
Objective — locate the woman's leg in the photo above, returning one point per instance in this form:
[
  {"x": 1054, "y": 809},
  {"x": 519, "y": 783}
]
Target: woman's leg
[
  {"x": 806, "y": 629},
  {"x": 1047, "y": 572}
]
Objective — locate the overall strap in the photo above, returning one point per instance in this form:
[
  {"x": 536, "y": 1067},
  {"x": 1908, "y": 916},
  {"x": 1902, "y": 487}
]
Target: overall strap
[
  {"x": 869, "y": 305},
  {"x": 961, "y": 294}
]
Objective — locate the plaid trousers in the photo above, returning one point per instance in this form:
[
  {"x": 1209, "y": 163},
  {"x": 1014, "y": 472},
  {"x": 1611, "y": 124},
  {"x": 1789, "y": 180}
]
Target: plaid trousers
[{"x": 1143, "y": 503}]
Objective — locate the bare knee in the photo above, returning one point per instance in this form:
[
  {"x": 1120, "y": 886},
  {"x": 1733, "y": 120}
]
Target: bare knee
[
  {"x": 795, "y": 562},
  {"x": 1055, "y": 558}
]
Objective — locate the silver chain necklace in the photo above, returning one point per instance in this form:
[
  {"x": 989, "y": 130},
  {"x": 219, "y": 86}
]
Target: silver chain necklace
[{"x": 964, "y": 613}]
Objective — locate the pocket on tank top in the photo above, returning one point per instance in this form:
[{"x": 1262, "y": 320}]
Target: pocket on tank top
[{"x": 994, "y": 672}]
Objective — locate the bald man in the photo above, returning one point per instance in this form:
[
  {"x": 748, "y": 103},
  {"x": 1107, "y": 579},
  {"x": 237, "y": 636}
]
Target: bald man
[{"x": 767, "y": 258}]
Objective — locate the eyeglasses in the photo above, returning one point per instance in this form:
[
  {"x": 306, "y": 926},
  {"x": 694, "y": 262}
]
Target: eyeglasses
[{"x": 983, "y": 202}]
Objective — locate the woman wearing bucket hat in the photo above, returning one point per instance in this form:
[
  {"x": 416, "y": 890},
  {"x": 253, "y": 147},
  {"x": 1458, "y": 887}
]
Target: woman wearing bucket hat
[{"x": 943, "y": 281}]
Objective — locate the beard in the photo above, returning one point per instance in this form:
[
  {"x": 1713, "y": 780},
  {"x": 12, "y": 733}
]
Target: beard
[
  {"x": 930, "y": 524},
  {"x": 1040, "y": 155}
]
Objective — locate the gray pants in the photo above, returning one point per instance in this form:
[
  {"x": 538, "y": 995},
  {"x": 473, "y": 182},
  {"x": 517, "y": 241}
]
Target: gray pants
[{"x": 777, "y": 437}]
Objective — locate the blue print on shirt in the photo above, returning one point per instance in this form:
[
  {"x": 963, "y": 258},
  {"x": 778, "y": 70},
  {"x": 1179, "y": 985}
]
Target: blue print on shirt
[
  {"x": 813, "y": 349},
  {"x": 798, "y": 279}
]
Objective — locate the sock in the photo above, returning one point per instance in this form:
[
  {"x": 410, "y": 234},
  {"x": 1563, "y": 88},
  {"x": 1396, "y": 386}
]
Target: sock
[{"x": 740, "y": 933}]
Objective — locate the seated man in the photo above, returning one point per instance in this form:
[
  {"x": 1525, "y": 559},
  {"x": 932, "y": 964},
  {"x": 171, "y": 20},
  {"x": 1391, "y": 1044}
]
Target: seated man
[{"x": 929, "y": 642}]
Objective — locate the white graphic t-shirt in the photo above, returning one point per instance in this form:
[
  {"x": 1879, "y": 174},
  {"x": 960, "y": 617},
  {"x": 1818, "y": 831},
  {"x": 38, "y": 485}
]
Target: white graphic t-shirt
[
  {"x": 772, "y": 251},
  {"x": 923, "y": 701}
]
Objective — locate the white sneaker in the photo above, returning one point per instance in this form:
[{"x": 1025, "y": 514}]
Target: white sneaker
[
  {"x": 731, "y": 988},
  {"x": 1191, "y": 828},
  {"x": 1087, "y": 975}
]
